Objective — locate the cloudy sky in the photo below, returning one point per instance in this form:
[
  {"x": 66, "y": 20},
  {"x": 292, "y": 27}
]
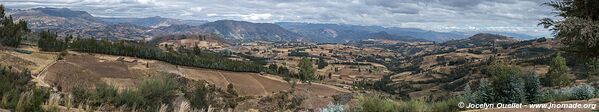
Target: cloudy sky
[{"x": 520, "y": 16}]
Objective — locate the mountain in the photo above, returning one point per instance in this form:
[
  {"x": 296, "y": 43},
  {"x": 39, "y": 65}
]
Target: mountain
[
  {"x": 82, "y": 24},
  {"x": 57, "y": 19},
  {"x": 386, "y": 36},
  {"x": 332, "y": 32},
  {"x": 242, "y": 30},
  {"x": 154, "y": 22},
  {"x": 482, "y": 39}
]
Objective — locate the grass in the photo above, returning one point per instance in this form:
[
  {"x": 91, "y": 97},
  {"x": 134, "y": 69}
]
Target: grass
[{"x": 377, "y": 103}]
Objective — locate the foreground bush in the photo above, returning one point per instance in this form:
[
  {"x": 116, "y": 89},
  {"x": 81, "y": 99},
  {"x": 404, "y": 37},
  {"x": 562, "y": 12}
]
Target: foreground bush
[
  {"x": 580, "y": 92},
  {"x": 18, "y": 94},
  {"x": 381, "y": 104},
  {"x": 149, "y": 94}
]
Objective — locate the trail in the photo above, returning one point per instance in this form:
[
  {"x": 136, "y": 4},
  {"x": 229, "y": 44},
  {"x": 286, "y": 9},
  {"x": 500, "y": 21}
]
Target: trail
[
  {"x": 39, "y": 77},
  {"x": 224, "y": 78},
  {"x": 261, "y": 85},
  {"x": 325, "y": 85}
]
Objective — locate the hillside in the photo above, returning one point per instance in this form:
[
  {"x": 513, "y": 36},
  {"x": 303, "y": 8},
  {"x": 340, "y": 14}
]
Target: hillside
[
  {"x": 241, "y": 30},
  {"x": 481, "y": 39},
  {"x": 126, "y": 72},
  {"x": 342, "y": 33},
  {"x": 153, "y": 22}
]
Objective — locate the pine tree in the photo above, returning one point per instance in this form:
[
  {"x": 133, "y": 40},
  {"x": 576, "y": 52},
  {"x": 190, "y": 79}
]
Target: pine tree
[
  {"x": 577, "y": 26},
  {"x": 558, "y": 72},
  {"x": 468, "y": 94},
  {"x": 532, "y": 88},
  {"x": 485, "y": 93},
  {"x": 10, "y": 32}
]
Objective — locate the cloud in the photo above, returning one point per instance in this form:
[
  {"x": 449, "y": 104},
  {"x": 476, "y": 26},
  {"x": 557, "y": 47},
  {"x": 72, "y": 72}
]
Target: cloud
[{"x": 438, "y": 15}]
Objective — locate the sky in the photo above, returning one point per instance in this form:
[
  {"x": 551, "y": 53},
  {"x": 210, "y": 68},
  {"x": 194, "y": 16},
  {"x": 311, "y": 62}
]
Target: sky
[{"x": 518, "y": 16}]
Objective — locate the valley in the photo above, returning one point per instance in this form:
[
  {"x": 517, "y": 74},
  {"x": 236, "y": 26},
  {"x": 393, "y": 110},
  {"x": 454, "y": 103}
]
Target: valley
[{"x": 65, "y": 59}]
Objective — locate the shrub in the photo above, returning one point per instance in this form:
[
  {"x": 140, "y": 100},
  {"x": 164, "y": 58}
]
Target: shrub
[
  {"x": 582, "y": 92},
  {"x": 448, "y": 105},
  {"x": 103, "y": 93},
  {"x": 376, "y": 104},
  {"x": 468, "y": 94},
  {"x": 157, "y": 91},
  {"x": 556, "y": 95},
  {"x": 507, "y": 83},
  {"x": 332, "y": 108},
  {"x": 199, "y": 97},
  {"x": 129, "y": 98},
  {"x": 532, "y": 88},
  {"x": 485, "y": 93}
]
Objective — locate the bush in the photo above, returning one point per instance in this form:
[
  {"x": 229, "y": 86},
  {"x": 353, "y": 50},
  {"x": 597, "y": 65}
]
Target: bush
[
  {"x": 532, "y": 88},
  {"x": 582, "y": 92},
  {"x": 556, "y": 95},
  {"x": 448, "y": 105},
  {"x": 380, "y": 104},
  {"x": 103, "y": 93},
  {"x": 376, "y": 104},
  {"x": 332, "y": 108},
  {"x": 150, "y": 94},
  {"x": 485, "y": 93},
  {"x": 199, "y": 97},
  {"x": 507, "y": 83},
  {"x": 157, "y": 91},
  {"x": 129, "y": 98}
]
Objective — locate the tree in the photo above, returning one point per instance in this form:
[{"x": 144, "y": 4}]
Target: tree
[
  {"x": 507, "y": 83},
  {"x": 322, "y": 63},
  {"x": 532, "y": 86},
  {"x": 48, "y": 42},
  {"x": 577, "y": 27},
  {"x": 10, "y": 32},
  {"x": 468, "y": 94},
  {"x": 485, "y": 93},
  {"x": 306, "y": 70},
  {"x": 558, "y": 72}
]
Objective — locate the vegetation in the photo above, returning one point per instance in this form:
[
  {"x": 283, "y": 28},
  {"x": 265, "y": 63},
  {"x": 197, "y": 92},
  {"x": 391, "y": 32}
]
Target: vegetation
[
  {"x": 580, "y": 92},
  {"x": 577, "y": 27},
  {"x": 532, "y": 87},
  {"x": 11, "y": 33},
  {"x": 179, "y": 58},
  {"x": 149, "y": 94},
  {"x": 558, "y": 72},
  {"x": 48, "y": 42},
  {"x": 18, "y": 94},
  {"x": 485, "y": 93},
  {"x": 306, "y": 70},
  {"x": 322, "y": 63},
  {"x": 376, "y": 103},
  {"x": 507, "y": 83}
]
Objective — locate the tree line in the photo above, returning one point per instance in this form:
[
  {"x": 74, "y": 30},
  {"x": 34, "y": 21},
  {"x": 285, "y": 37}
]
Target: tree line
[
  {"x": 10, "y": 32},
  {"x": 195, "y": 58}
]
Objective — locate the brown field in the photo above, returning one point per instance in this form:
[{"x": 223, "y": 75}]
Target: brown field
[{"x": 89, "y": 69}]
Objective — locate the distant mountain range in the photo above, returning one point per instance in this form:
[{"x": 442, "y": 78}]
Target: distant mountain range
[
  {"x": 481, "y": 39},
  {"x": 153, "y": 22},
  {"x": 342, "y": 32},
  {"x": 80, "y": 23}
]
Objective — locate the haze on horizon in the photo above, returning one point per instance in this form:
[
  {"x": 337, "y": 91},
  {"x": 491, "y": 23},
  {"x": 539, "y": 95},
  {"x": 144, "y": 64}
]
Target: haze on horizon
[{"x": 517, "y": 16}]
